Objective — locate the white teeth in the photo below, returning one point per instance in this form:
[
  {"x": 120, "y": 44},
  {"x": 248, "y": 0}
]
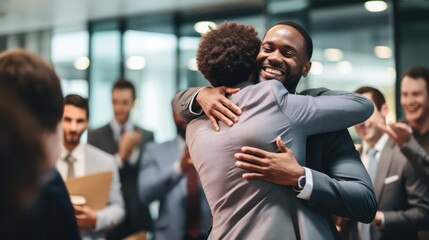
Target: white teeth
[{"x": 273, "y": 71}]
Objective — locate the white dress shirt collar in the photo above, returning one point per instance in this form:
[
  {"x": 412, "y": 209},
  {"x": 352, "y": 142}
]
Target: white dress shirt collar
[
  {"x": 79, "y": 166},
  {"x": 378, "y": 146}
]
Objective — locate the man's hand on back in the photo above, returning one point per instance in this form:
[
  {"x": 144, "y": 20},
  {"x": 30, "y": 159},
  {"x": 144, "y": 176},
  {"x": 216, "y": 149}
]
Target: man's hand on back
[
  {"x": 218, "y": 107},
  {"x": 280, "y": 168}
]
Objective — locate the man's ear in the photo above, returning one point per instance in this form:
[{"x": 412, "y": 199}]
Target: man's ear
[
  {"x": 384, "y": 110},
  {"x": 306, "y": 69}
]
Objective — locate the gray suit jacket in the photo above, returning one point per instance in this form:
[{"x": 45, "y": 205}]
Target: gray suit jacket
[
  {"x": 110, "y": 216},
  {"x": 159, "y": 180},
  {"x": 402, "y": 195},
  {"x": 137, "y": 215},
  {"x": 258, "y": 209}
]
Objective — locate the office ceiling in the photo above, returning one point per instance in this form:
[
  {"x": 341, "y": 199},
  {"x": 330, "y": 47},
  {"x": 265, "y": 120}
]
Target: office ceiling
[{"x": 29, "y": 15}]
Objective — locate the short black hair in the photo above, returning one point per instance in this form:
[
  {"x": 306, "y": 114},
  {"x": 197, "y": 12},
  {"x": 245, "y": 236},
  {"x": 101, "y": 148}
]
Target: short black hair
[
  {"x": 377, "y": 97},
  {"x": 35, "y": 83},
  {"x": 227, "y": 55},
  {"x": 418, "y": 72},
  {"x": 304, "y": 33},
  {"x": 77, "y": 101},
  {"x": 123, "y": 83}
]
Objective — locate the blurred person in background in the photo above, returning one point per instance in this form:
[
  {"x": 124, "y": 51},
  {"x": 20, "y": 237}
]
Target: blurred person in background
[
  {"x": 126, "y": 141},
  {"x": 402, "y": 194},
  {"x": 79, "y": 159},
  {"x": 32, "y": 81},
  {"x": 412, "y": 133}
]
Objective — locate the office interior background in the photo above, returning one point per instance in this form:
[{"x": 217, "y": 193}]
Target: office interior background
[{"x": 153, "y": 43}]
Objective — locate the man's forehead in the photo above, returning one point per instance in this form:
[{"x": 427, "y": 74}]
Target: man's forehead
[{"x": 282, "y": 31}]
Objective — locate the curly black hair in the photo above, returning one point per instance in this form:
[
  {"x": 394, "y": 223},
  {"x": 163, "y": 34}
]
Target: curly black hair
[{"x": 227, "y": 55}]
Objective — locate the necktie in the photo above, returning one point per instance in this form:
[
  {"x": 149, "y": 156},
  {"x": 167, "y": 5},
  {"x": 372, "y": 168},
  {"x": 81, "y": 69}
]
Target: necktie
[
  {"x": 70, "y": 160},
  {"x": 372, "y": 164},
  {"x": 372, "y": 169},
  {"x": 193, "y": 211},
  {"x": 121, "y": 131}
]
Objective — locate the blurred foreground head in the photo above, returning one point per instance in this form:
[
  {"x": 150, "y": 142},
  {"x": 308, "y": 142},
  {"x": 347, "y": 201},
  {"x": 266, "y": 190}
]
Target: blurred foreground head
[{"x": 31, "y": 107}]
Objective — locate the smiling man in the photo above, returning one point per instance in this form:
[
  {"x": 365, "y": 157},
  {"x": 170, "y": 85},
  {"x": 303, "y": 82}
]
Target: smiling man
[
  {"x": 338, "y": 180},
  {"x": 412, "y": 136}
]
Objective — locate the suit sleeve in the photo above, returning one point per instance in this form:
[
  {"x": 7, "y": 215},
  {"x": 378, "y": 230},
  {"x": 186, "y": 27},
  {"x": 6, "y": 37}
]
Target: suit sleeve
[
  {"x": 326, "y": 112},
  {"x": 341, "y": 183},
  {"x": 153, "y": 183},
  {"x": 114, "y": 213},
  {"x": 416, "y": 216},
  {"x": 182, "y": 101},
  {"x": 417, "y": 156}
]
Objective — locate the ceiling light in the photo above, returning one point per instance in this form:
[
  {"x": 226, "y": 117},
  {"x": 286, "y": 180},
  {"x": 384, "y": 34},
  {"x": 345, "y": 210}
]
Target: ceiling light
[
  {"x": 192, "y": 64},
  {"x": 375, "y": 6},
  {"x": 204, "y": 26},
  {"x": 316, "y": 68},
  {"x": 333, "y": 54},
  {"x": 383, "y": 52},
  {"x": 136, "y": 62},
  {"x": 81, "y": 63},
  {"x": 345, "y": 67}
]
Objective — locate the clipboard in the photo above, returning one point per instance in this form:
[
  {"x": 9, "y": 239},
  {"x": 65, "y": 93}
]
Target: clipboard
[{"x": 94, "y": 188}]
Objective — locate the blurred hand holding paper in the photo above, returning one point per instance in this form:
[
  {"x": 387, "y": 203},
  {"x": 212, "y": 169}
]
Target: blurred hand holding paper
[{"x": 94, "y": 188}]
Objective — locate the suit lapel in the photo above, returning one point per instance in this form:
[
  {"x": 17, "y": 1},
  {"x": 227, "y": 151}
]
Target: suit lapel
[
  {"x": 111, "y": 139},
  {"x": 383, "y": 167}
]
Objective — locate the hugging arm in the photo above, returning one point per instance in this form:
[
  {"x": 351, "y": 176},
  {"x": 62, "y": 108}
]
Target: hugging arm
[
  {"x": 326, "y": 111},
  {"x": 190, "y": 103}
]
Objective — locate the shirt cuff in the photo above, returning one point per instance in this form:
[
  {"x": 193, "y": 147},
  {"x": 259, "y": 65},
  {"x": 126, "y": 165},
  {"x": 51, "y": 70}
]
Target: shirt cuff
[
  {"x": 177, "y": 168},
  {"x": 192, "y": 102},
  {"x": 134, "y": 157},
  {"x": 118, "y": 160},
  {"x": 308, "y": 188}
]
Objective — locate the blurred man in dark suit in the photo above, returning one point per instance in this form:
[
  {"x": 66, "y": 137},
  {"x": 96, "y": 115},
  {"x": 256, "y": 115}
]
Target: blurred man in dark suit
[{"x": 126, "y": 142}]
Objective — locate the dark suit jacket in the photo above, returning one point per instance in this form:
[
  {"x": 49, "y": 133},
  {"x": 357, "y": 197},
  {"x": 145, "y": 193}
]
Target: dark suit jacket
[
  {"x": 51, "y": 216},
  {"x": 137, "y": 215},
  {"x": 341, "y": 185},
  {"x": 402, "y": 195}
]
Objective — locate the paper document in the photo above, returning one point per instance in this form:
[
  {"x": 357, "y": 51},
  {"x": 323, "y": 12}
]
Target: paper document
[{"x": 94, "y": 188}]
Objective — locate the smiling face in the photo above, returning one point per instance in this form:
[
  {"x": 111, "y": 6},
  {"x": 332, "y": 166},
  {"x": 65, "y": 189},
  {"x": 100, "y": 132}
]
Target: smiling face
[
  {"x": 283, "y": 56},
  {"x": 414, "y": 100},
  {"x": 369, "y": 131}
]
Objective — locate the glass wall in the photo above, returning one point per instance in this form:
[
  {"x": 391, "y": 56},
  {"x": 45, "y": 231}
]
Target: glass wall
[
  {"x": 150, "y": 63},
  {"x": 69, "y": 56},
  {"x": 105, "y": 56}
]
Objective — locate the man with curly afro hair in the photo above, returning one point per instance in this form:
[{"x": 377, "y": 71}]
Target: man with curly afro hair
[
  {"x": 227, "y": 56},
  {"x": 260, "y": 209}
]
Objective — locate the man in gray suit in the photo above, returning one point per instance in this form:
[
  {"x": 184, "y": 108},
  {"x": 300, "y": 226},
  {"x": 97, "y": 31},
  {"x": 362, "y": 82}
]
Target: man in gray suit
[
  {"x": 79, "y": 159},
  {"x": 165, "y": 176},
  {"x": 402, "y": 195},
  {"x": 340, "y": 184},
  {"x": 255, "y": 209},
  {"x": 126, "y": 142}
]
